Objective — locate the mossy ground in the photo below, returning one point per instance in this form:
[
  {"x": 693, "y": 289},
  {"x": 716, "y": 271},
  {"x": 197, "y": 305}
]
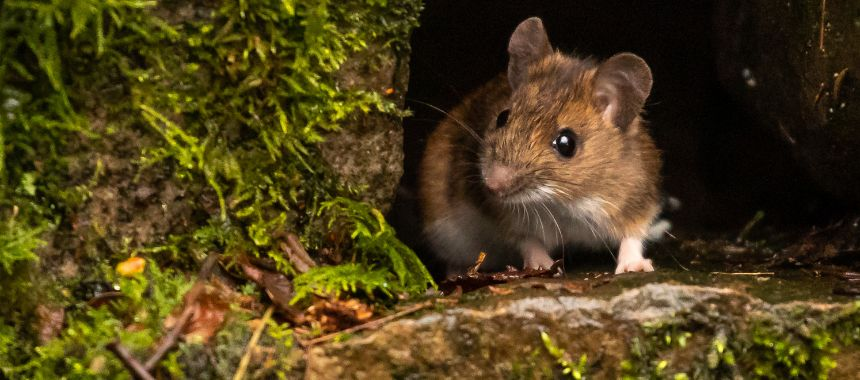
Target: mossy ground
[{"x": 171, "y": 130}]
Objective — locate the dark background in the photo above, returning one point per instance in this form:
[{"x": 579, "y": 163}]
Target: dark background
[{"x": 718, "y": 161}]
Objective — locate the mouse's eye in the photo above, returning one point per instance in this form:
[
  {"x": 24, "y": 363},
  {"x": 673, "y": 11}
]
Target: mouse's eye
[
  {"x": 565, "y": 143},
  {"x": 502, "y": 119}
]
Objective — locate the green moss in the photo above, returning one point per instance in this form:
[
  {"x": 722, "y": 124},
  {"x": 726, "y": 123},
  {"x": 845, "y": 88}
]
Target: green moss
[
  {"x": 80, "y": 350},
  {"x": 230, "y": 100},
  {"x": 18, "y": 241},
  {"x": 574, "y": 369},
  {"x": 799, "y": 345}
]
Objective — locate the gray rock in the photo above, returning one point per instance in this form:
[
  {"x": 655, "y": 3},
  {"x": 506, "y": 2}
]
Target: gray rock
[
  {"x": 368, "y": 152},
  {"x": 701, "y": 331}
]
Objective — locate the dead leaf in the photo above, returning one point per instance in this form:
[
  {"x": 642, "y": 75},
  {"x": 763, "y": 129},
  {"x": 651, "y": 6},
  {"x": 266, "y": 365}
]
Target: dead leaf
[
  {"x": 474, "y": 268},
  {"x": 277, "y": 286},
  {"x": 475, "y": 280},
  {"x": 337, "y": 314},
  {"x": 209, "y": 310}
]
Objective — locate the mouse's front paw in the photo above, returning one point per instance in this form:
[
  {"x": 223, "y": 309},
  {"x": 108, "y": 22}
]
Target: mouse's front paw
[
  {"x": 537, "y": 262},
  {"x": 639, "y": 265},
  {"x": 535, "y": 256}
]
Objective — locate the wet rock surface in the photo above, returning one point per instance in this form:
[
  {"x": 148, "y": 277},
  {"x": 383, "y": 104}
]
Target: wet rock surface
[
  {"x": 795, "y": 65},
  {"x": 663, "y": 324}
]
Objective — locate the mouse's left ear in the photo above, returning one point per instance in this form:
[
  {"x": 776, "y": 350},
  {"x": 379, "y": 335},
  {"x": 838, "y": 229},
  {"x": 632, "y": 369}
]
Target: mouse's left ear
[
  {"x": 621, "y": 85},
  {"x": 528, "y": 44}
]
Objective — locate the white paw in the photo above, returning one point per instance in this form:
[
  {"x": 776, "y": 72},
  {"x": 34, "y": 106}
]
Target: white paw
[
  {"x": 637, "y": 265},
  {"x": 535, "y": 255},
  {"x": 537, "y": 262}
]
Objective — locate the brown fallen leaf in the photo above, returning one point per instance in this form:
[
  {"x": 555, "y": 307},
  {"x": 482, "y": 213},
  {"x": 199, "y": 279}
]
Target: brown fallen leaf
[
  {"x": 297, "y": 254},
  {"x": 474, "y": 268},
  {"x": 293, "y": 250},
  {"x": 471, "y": 281},
  {"x": 337, "y": 314},
  {"x": 209, "y": 310},
  {"x": 277, "y": 286}
]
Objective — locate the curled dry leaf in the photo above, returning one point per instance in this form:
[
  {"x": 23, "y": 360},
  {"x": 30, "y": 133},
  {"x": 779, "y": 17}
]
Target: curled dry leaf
[
  {"x": 208, "y": 311},
  {"x": 293, "y": 250},
  {"x": 338, "y": 314},
  {"x": 131, "y": 267}
]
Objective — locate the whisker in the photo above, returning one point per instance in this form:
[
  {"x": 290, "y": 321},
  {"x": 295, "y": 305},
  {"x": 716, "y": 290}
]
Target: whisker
[
  {"x": 460, "y": 123},
  {"x": 557, "y": 227}
]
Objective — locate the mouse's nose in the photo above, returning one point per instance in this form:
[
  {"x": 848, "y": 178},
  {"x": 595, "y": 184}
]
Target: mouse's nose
[{"x": 499, "y": 178}]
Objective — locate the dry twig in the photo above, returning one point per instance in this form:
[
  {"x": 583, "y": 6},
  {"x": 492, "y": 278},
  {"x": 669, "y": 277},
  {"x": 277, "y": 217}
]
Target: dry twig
[
  {"x": 142, "y": 371},
  {"x": 297, "y": 254},
  {"x": 370, "y": 325},
  {"x": 246, "y": 358},
  {"x": 129, "y": 361},
  {"x": 172, "y": 337}
]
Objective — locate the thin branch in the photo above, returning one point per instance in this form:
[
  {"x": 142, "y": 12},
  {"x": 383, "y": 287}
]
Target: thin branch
[
  {"x": 129, "y": 361},
  {"x": 246, "y": 358},
  {"x": 297, "y": 255},
  {"x": 370, "y": 325},
  {"x": 172, "y": 337}
]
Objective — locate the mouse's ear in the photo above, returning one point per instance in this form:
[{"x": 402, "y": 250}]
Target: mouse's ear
[
  {"x": 621, "y": 85},
  {"x": 529, "y": 44}
]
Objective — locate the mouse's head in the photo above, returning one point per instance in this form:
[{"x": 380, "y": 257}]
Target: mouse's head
[{"x": 564, "y": 133}]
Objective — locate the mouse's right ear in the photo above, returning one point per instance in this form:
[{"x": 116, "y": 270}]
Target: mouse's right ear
[
  {"x": 529, "y": 43},
  {"x": 621, "y": 85}
]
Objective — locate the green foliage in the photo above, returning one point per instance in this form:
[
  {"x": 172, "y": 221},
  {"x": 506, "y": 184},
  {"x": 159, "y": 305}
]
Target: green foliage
[
  {"x": 377, "y": 245},
  {"x": 80, "y": 351},
  {"x": 17, "y": 243},
  {"x": 781, "y": 354},
  {"x": 645, "y": 360},
  {"x": 576, "y": 370},
  {"x": 381, "y": 264},
  {"x": 801, "y": 344},
  {"x": 230, "y": 99},
  {"x": 351, "y": 277},
  {"x": 250, "y": 134}
]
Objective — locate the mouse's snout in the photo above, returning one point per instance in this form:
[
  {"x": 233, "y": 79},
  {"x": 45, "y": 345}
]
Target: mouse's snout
[{"x": 500, "y": 179}]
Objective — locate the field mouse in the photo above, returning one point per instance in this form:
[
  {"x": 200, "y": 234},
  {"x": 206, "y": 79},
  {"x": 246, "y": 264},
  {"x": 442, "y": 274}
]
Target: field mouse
[{"x": 552, "y": 153}]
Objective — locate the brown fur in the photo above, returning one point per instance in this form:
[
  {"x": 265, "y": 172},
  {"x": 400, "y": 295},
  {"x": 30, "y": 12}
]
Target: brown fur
[{"x": 618, "y": 165}]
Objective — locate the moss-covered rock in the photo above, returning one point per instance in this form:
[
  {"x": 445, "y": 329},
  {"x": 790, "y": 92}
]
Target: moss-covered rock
[
  {"x": 171, "y": 130},
  {"x": 658, "y": 330}
]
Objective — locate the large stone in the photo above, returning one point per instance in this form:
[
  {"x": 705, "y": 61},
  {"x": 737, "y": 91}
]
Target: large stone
[
  {"x": 368, "y": 152},
  {"x": 795, "y": 64},
  {"x": 658, "y": 329}
]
